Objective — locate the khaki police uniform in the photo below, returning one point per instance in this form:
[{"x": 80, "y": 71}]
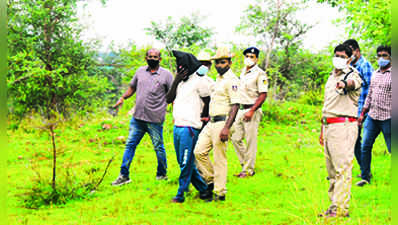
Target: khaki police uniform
[
  {"x": 252, "y": 83},
  {"x": 340, "y": 138},
  {"x": 224, "y": 93}
]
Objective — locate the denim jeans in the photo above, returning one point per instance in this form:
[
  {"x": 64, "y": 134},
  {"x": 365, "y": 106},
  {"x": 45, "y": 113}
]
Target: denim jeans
[
  {"x": 138, "y": 128},
  {"x": 184, "y": 143},
  {"x": 372, "y": 129}
]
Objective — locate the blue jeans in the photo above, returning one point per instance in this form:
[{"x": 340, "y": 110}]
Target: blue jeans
[
  {"x": 138, "y": 128},
  {"x": 184, "y": 143},
  {"x": 372, "y": 129}
]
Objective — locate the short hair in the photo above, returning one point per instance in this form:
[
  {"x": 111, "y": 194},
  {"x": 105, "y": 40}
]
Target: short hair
[
  {"x": 353, "y": 43},
  {"x": 384, "y": 48},
  {"x": 153, "y": 49},
  {"x": 343, "y": 48}
]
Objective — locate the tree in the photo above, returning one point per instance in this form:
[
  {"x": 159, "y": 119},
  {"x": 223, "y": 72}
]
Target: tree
[
  {"x": 183, "y": 34},
  {"x": 273, "y": 24},
  {"x": 48, "y": 66},
  {"x": 369, "y": 21}
]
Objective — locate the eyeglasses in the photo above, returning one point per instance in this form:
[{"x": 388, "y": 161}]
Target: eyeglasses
[{"x": 383, "y": 55}]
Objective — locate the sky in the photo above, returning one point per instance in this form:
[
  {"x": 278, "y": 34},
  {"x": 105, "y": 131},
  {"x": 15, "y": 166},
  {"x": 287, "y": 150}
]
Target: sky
[{"x": 123, "y": 21}]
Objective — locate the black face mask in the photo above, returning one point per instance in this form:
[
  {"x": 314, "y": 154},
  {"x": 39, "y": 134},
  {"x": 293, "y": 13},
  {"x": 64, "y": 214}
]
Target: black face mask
[
  {"x": 152, "y": 63},
  {"x": 221, "y": 71}
]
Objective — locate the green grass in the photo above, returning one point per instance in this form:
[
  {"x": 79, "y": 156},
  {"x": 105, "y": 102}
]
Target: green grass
[{"x": 290, "y": 185}]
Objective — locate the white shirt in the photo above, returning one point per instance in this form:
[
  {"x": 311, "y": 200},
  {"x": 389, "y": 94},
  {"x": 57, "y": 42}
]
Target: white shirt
[{"x": 188, "y": 104}]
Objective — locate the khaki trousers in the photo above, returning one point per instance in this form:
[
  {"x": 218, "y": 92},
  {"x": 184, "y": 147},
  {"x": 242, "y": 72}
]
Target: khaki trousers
[
  {"x": 339, "y": 140},
  {"x": 249, "y": 131},
  {"x": 209, "y": 138}
]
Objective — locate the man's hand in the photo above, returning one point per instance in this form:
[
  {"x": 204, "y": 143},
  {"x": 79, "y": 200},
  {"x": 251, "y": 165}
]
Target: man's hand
[
  {"x": 181, "y": 75},
  {"x": 360, "y": 120},
  {"x": 340, "y": 85},
  {"x": 119, "y": 102},
  {"x": 224, "y": 134},
  {"x": 248, "y": 116}
]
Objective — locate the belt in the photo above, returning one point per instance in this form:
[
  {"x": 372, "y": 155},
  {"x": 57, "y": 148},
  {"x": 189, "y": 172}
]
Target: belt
[
  {"x": 243, "y": 106},
  {"x": 214, "y": 119},
  {"x": 338, "y": 120}
]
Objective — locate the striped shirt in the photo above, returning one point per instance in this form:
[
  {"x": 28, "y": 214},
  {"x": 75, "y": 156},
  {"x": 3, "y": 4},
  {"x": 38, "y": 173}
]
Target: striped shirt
[
  {"x": 379, "y": 96},
  {"x": 365, "y": 72}
]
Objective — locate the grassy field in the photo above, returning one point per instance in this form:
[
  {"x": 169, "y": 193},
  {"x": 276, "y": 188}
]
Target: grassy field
[{"x": 290, "y": 185}]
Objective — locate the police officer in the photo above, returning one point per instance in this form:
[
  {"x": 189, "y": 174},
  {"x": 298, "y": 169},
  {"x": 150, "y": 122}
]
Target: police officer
[
  {"x": 253, "y": 92},
  {"x": 224, "y": 105},
  {"x": 339, "y": 129}
]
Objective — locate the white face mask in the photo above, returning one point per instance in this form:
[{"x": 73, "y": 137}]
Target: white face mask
[
  {"x": 248, "y": 62},
  {"x": 339, "y": 63}
]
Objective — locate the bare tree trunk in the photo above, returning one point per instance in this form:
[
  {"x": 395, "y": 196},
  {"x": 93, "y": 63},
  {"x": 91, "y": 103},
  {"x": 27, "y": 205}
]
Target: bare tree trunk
[
  {"x": 54, "y": 156},
  {"x": 274, "y": 35}
]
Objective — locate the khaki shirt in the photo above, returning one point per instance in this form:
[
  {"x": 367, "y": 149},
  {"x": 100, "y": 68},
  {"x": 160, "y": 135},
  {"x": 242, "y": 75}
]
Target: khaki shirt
[
  {"x": 224, "y": 93},
  {"x": 338, "y": 104},
  {"x": 252, "y": 83}
]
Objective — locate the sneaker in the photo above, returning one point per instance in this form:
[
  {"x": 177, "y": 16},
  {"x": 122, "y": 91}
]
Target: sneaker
[
  {"x": 121, "y": 180},
  {"x": 177, "y": 200},
  {"x": 242, "y": 175},
  {"x": 328, "y": 213},
  {"x": 219, "y": 197},
  {"x": 161, "y": 177},
  {"x": 362, "y": 183}
]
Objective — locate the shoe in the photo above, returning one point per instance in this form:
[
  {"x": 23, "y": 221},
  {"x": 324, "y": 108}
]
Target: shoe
[
  {"x": 121, "y": 180},
  {"x": 177, "y": 200},
  {"x": 161, "y": 177},
  {"x": 219, "y": 197},
  {"x": 243, "y": 175},
  {"x": 328, "y": 213},
  {"x": 206, "y": 195},
  {"x": 361, "y": 183},
  {"x": 251, "y": 174}
]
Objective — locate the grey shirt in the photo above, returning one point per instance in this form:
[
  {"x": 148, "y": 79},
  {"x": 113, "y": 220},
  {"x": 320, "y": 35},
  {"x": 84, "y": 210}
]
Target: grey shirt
[{"x": 151, "y": 89}]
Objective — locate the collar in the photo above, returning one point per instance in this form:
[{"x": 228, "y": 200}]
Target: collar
[
  {"x": 253, "y": 69},
  {"x": 156, "y": 72},
  {"x": 359, "y": 62},
  {"x": 388, "y": 70}
]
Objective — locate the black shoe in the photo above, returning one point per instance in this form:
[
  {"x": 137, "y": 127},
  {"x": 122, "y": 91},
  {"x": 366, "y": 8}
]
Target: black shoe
[
  {"x": 362, "y": 182},
  {"x": 219, "y": 197},
  {"x": 206, "y": 195}
]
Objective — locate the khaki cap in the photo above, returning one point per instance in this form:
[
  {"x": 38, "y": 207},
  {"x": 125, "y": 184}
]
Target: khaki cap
[
  {"x": 204, "y": 56},
  {"x": 223, "y": 53}
]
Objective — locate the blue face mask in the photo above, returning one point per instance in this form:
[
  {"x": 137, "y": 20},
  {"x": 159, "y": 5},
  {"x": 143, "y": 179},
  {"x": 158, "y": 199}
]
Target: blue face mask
[
  {"x": 383, "y": 62},
  {"x": 203, "y": 70}
]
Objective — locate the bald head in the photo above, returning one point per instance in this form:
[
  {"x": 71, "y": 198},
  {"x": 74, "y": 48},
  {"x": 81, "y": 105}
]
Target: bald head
[{"x": 153, "y": 58}]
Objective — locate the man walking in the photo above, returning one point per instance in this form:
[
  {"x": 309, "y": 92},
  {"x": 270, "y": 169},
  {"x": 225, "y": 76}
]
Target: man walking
[
  {"x": 339, "y": 129},
  {"x": 224, "y": 105},
  {"x": 253, "y": 92},
  {"x": 365, "y": 70},
  {"x": 378, "y": 106},
  {"x": 187, "y": 91},
  {"x": 151, "y": 83}
]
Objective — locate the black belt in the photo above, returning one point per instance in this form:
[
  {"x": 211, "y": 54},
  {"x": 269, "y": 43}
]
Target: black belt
[
  {"x": 214, "y": 119},
  {"x": 243, "y": 106}
]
